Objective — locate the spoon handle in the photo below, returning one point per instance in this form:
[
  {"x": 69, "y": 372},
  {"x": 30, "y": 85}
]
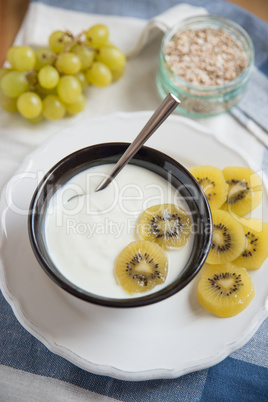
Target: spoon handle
[{"x": 159, "y": 116}]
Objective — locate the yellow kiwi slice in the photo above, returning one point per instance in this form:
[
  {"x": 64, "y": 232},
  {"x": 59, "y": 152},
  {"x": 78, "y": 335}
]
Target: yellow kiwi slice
[
  {"x": 255, "y": 251},
  {"x": 212, "y": 181},
  {"x": 165, "y": 224},
  {"x": 141, "y": 266},
  {"x": 225, "y": 289},
  {"x": 245, "y": 190},
  {"x": 228, "y": 239}
]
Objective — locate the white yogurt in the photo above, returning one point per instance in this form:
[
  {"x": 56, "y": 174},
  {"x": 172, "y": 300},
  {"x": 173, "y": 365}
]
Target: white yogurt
[{"x": 85, "y": 234}]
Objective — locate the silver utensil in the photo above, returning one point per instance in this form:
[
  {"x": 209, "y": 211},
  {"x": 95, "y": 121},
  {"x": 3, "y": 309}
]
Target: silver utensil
[{"x": 159, "y": 116}]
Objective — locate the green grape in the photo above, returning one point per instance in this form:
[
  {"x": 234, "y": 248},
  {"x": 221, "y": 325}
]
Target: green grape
[
  {"x": 116, "y": 74},
  {"x": 107, "y": 43},
  {"x": 10, "y": 54},
  {"x": 58, "y": 40},
  {"x": 99, "y": 75},
  {"x": 98, "y": 34},
  {"x": 59, "y": 74},
  {"x": 68, "y": 63},
  {"x": 29, "y": 105},
  {"x": 8, "y": 104},
  {"x": 113, "y": 57},
  {"x": 82, "y": 79},
  {"x": 14, "y": 84},
  {"x": 42, "y": 92},
  {"x": 53, "y": 108},
  {"x": 44, "y": 57},
  {"x": 86, "y": 55},
  {"x": 78, "y": 106},
  {"x": 3, "y": 72},
  {"x": 23, "y": 58},
  {"x": 69, "y": 89},
  {"x": 35, "y": 120},
  {"x": 48, "y": 77}
]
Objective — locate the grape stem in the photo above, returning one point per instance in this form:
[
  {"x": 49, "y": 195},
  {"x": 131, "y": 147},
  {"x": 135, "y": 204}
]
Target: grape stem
[
  {"x": 31, "y": 77},
  {"x": 75, "y": 40}
]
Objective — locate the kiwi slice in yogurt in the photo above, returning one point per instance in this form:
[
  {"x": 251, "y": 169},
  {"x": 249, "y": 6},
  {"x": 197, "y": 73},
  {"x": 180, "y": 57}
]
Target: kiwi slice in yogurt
[
  {"x": 141, "y": 266},
  {"x": 168, "y": 225}
]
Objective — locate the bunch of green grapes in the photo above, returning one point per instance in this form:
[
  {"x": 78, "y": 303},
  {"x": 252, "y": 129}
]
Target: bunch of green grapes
[{"x": 49, "y": 82}]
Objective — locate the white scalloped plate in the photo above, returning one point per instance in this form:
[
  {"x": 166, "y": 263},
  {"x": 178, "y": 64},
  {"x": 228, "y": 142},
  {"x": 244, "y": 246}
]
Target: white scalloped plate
[{"x": 164, "y": 340}]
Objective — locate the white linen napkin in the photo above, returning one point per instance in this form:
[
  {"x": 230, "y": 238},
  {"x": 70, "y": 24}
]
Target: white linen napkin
[{"x": 135, "y": 91}]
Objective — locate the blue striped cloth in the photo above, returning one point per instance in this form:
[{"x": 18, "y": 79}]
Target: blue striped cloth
[{"x": 30, "y": 372}]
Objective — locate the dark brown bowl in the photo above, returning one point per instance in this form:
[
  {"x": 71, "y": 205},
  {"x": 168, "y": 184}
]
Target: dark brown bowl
[{"x": 147, "y": 158}]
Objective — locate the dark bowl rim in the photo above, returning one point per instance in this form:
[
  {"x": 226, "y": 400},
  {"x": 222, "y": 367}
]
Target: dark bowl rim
[{"x": 74, "y": 290}]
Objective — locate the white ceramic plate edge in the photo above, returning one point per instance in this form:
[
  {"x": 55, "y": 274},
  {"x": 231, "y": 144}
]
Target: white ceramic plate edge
[{"x": 113, "y": 371}]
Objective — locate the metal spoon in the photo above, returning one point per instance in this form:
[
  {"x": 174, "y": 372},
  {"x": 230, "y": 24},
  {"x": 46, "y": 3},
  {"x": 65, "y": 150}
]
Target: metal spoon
[{"x": 160, "y": 115}]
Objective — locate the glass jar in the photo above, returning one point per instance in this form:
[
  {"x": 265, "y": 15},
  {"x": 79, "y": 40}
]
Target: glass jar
[{"x": 202, "y": 100}]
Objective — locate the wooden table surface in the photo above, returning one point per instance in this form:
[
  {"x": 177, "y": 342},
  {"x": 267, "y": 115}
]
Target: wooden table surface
[{"x": 12, "y": 13}]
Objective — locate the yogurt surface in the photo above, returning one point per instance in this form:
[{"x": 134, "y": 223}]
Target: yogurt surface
[{"x": 86, "y": 230}]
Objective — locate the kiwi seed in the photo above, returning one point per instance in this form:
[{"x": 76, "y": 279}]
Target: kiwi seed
[
  {"x": 245, "y": 190},
  {"x": 238, "y": 195},
  {"x": 252, "y": 239},
  {"x": 225, "y": 289},
  {"x": 236, "y": 282},
  {"x": 205, "y": 183},
  {"x": 141, "y": 266},
  {"x": 228, "y": 238},
  {"x": 165, "y": 224},
  {"x": 136, "y": 260},
  {"x": 173, "y": 231},
  {"x": 255, "y": 250},
  {"x": 212, "y": 182}
]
